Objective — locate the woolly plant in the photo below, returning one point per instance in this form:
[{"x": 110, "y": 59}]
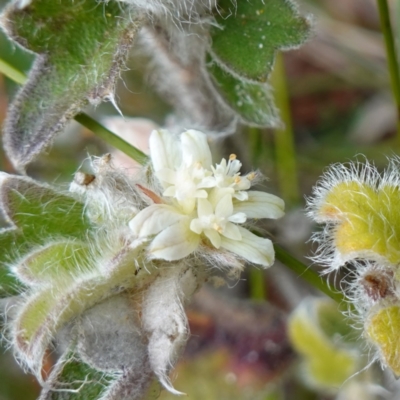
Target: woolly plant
[
  {"x": 198, "y": 46},
  {"x": 359, "y": 208},
  {"x": 94, "y": 280},
  {"x": 100, "y": 274}
]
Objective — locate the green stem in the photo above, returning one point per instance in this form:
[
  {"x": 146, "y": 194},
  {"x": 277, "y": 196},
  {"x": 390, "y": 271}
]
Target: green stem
[
  {"x": 284, "y": 137},
  {"x": 307, "y": 274},
  {"x": 111, "y": 138},
  {"x": 282, "y": 255},
  {"x": 393, "y": 64},
  {"x": 257, "y": 284},
  {"x": 12, "y": 73},
  {"x": 85, "y": 120}
]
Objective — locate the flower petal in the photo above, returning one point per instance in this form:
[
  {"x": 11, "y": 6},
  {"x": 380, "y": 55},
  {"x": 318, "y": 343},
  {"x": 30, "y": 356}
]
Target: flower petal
[
  {"x": 214, "y": 237},
  {"x": 167, "y": 175},
  {"x": 164, "y": 150},
  {"x": 195, "y": 149},
  {"x": 241, "y": 195},
  {"x": 216, "y": 194},
  {"x": 238, "y": 218},
  {"x": 232, "y": 231},
  {"x": 207, "y": 182},
  {"x": 261, "y": 205},
  {"x": 175, "y": 242},
  {"x": 253, "y": 248},
  {"x": 196, "y": 226},
  {"x": 204, "y": 208},
  {"x": 154, "y": 219},
  {"x": 224, "y": 207}
]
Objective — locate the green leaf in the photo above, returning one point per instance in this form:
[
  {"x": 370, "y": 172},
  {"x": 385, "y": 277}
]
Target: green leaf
[
  {"x": 82, "y": 46},
  {"x": 50, "y": 308},
  {"x": 36, "y": 213},
  {"x": 72, "y": 379},
  {"x": 250, "y": 32},
  {"x": 328, "y": 361},
  {"x": 253, "y": 102},
  {"x": 58, "y": 262}
]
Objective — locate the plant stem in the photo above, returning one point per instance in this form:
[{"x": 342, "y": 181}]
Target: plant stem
[
  {"x": 12, "y": 73},
  {"x": 393, "y": 64},
  {"x": 307, "y": 274},
  {"x": 257, "y": 284},
  {"x": 111, "y": 138},
  {"x": 85, "y": 120},
  {"x": 284, "y": 138}
]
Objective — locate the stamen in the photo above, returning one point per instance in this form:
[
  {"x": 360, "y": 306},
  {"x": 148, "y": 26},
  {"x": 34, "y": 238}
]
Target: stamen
[
  {"x": 232, "y": 157},
  {"x": 251, "y": 176}
]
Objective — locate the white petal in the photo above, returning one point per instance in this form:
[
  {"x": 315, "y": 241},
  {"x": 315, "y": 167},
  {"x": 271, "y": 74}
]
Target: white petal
[
  {"x": 232, "y": 231},
  {"x": 224, "y": 207},
  {"x": 234, "y": 167},
  {"x": 170, "y": 192},
  {"x": 154, "y": 219},
  {"x": 253, "y": 248},
  {"x": 241, "y": 195},
  {"x": 187, "y": 205},
  {"x": 243, "y": 184},
  {"x": 238, "y": 218},
  {"x": 217, "y": 194},
  {"x": 175, "y": 242},
  {"x": 214, "y": 236},
  {"x": 207, "y": 182},
  {"x": 196, "y": 226},
  {"x": 261, "y": 205},
  {"x": 204, "y": 208},
  {"x": 201, "y": 194},
  {"x": 167, "y": 175},
  {"x": 195, "y": 148},
  {"x": 164, "y": 150}
]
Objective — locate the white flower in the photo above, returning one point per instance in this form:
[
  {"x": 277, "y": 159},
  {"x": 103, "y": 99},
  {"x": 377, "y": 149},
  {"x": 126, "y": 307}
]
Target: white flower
[
  {"x": 180, "y": 168},
  {"x": 219, "y": 222},
  {"x": 203, "y": 205},
  {"x": 227, "y": 175}
]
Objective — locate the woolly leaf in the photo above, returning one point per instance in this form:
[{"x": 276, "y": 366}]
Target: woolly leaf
[
  {"x": 383, "y": 329},
  {"x": 9, "y": 241},
  {"x": 253, "y": 102},
  {"x": 250, "y": 32},
  {"x": 327, "y": 362},
  {"x": 82, "y": 46},
  {"x": 48, "y": 310},
  {"x": 36, "y": 212},
  {"x": 361, "y": 214},
  {"x": 333, "y": 324},
  {"x": 110, "y": 339},
  {"x": 72, "y": 379},
  {"x": 56, "y": 262}
]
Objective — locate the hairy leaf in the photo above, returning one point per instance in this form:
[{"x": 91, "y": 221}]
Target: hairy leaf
[
  {"x": 53, "y": 306},
  {"x": 72, "y": 379},
  {"x": 250, "y": 32},
  {"x": 253, "y": 102},
  {"x": 81, "y": 47},
  {"x": 55, "y": 263},
  {"x": 36, "y": 213}
]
